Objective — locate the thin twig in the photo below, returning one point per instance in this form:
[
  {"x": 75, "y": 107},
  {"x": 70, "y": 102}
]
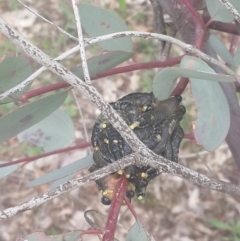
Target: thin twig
[
  {"x": 81, "y": 115},
  {"x": 142, "y": 155},
  {"x": 231, "y": 9},
  {"x": 46, "y": 20},
  {"x": 187, "y": 47},
  {"x": 81, "y": 43}
]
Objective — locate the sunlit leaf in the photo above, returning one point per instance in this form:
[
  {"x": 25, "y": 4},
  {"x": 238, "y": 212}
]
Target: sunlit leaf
[
  {"x": 220, "y": 49},
  {"x": 218, "y": 12},
  {"x": 54, "y": 132},
  {"x": 28, "y": 115},
  {"x": 13, "y": 70},
  {"x": 103, "y": 62},
  {"x": 164, "y": 81},
  {"x": 63, "y": 171},
  {"x": 39, "y": 236},
  {"x": 138, "y": 233},
  {"x": 4, "y": 171},
  {"x": 212, "y": 125},
  {"x": 98, "y": 21}
]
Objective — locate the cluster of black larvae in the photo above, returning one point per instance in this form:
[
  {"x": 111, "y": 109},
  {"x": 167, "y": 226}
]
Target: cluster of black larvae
[{"x": 155, "y": 123}]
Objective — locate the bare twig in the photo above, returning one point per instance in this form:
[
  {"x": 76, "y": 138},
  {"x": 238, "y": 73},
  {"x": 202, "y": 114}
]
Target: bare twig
[
  {"x": 187, "y": 47},
  {"x": 66, "y": 187},
  {"x": 46, "y": 20},
  {"x": 142, "y": 155},
  {"x": 27, "y": 81},
  {"x": 231, "y": 9},
  {"x": 81, "y": 43},
  {"x": 81, "y": 115}
]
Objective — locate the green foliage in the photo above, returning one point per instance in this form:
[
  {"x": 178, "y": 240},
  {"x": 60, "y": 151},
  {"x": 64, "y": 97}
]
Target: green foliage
[
  {"x": 212, "y": 125},
  {"x": 97, "y": 22},
  {"x": 233, "y": 229},
  {"x": 26, "y": 116},
  {"x": 63, "y": 171},
  {"x": 13, "y": 70},
  {"x": 138, "y": 233},
  {"x": 54, "y": 132},
  {"x": 4, "y": 171}
]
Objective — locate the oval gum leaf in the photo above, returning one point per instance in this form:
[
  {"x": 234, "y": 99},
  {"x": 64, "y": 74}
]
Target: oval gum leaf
[
  {"x": 212, "y": 125},
  {"x": 218, "y": 12},
  {"x": 4, "y": 171},
  {"x": 63, "y": 171},
  {"x": 138, "y": 233},
  {"x": 164, "y": 81},
  {"x": 54, "y": 132},
  {"x": 28, "y": 115},
  {"x": 97, "y": 22},
  {"x": 13, "y": 70},
  {"x": 220, "y": 49}
]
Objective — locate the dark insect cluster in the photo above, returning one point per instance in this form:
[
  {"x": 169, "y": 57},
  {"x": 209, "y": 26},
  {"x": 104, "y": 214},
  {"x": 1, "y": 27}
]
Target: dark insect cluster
[{"x": 155, "y": 123}]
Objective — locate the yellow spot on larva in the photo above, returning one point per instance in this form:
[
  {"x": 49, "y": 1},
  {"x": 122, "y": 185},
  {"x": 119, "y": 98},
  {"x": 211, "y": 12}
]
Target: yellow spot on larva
[
  {"x": 103, "y": 125},
  {"x": 140, "y": 197},
  {"x": 144, "y": 175},
  {"x": 120, "y": 172},
  {"x": 134, "y": 125},
  {"x": 106, "y": 141}
]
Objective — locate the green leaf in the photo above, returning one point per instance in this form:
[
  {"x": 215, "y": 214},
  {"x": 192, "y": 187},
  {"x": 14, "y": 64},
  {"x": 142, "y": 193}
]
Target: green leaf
[
  {"x": 63, "y": 171},
  {"x": 164, "y": 81},
  {"x": 61, "y": 181},
  {"x": 221, "y": 49},
  {"x": 218, "y": 12},
  {"x": 103, "y": 62},
  {"x": 97, "y": 22},
  {"x": 13, "y": 70},
  {"x": 220, "y": 225},
  {"x": 54, "y": 132},
  {"x": 138, "y": 233},
  {"x": 4, "y": 171},
  {"x": 28, "y": 115},
  {"x": 212, "y": 125},
  {"x": 39, "y": 236}
]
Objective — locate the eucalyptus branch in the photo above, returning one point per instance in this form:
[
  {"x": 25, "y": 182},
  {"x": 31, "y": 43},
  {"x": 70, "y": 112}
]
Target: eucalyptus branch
[
  {"x": 187, "y": 47},
  {"x": 231, "y": 9},
  {"x": 81, "y": 43},
  {"x": 66, "y": 187},
  {"x": 27, "y": 81},
  {"x": 132, "y": 159},
  {"x": 143, "y": 155}
]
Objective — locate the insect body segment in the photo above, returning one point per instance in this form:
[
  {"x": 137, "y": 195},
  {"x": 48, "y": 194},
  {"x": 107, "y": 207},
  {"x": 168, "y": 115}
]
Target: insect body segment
[{"x": 155, "y": 123}]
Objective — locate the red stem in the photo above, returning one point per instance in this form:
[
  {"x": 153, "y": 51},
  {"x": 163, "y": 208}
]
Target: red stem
[
  {"x": 29, "y": 159},
  {"x": 118, "y": 70},
  {"x": 222, "y": 27},
  {"x": 130, "y": 207},
  {"x": 114, "y": 210},
  {"x": 183, "y": 82},
  {"x": 199, "y": 25}
]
